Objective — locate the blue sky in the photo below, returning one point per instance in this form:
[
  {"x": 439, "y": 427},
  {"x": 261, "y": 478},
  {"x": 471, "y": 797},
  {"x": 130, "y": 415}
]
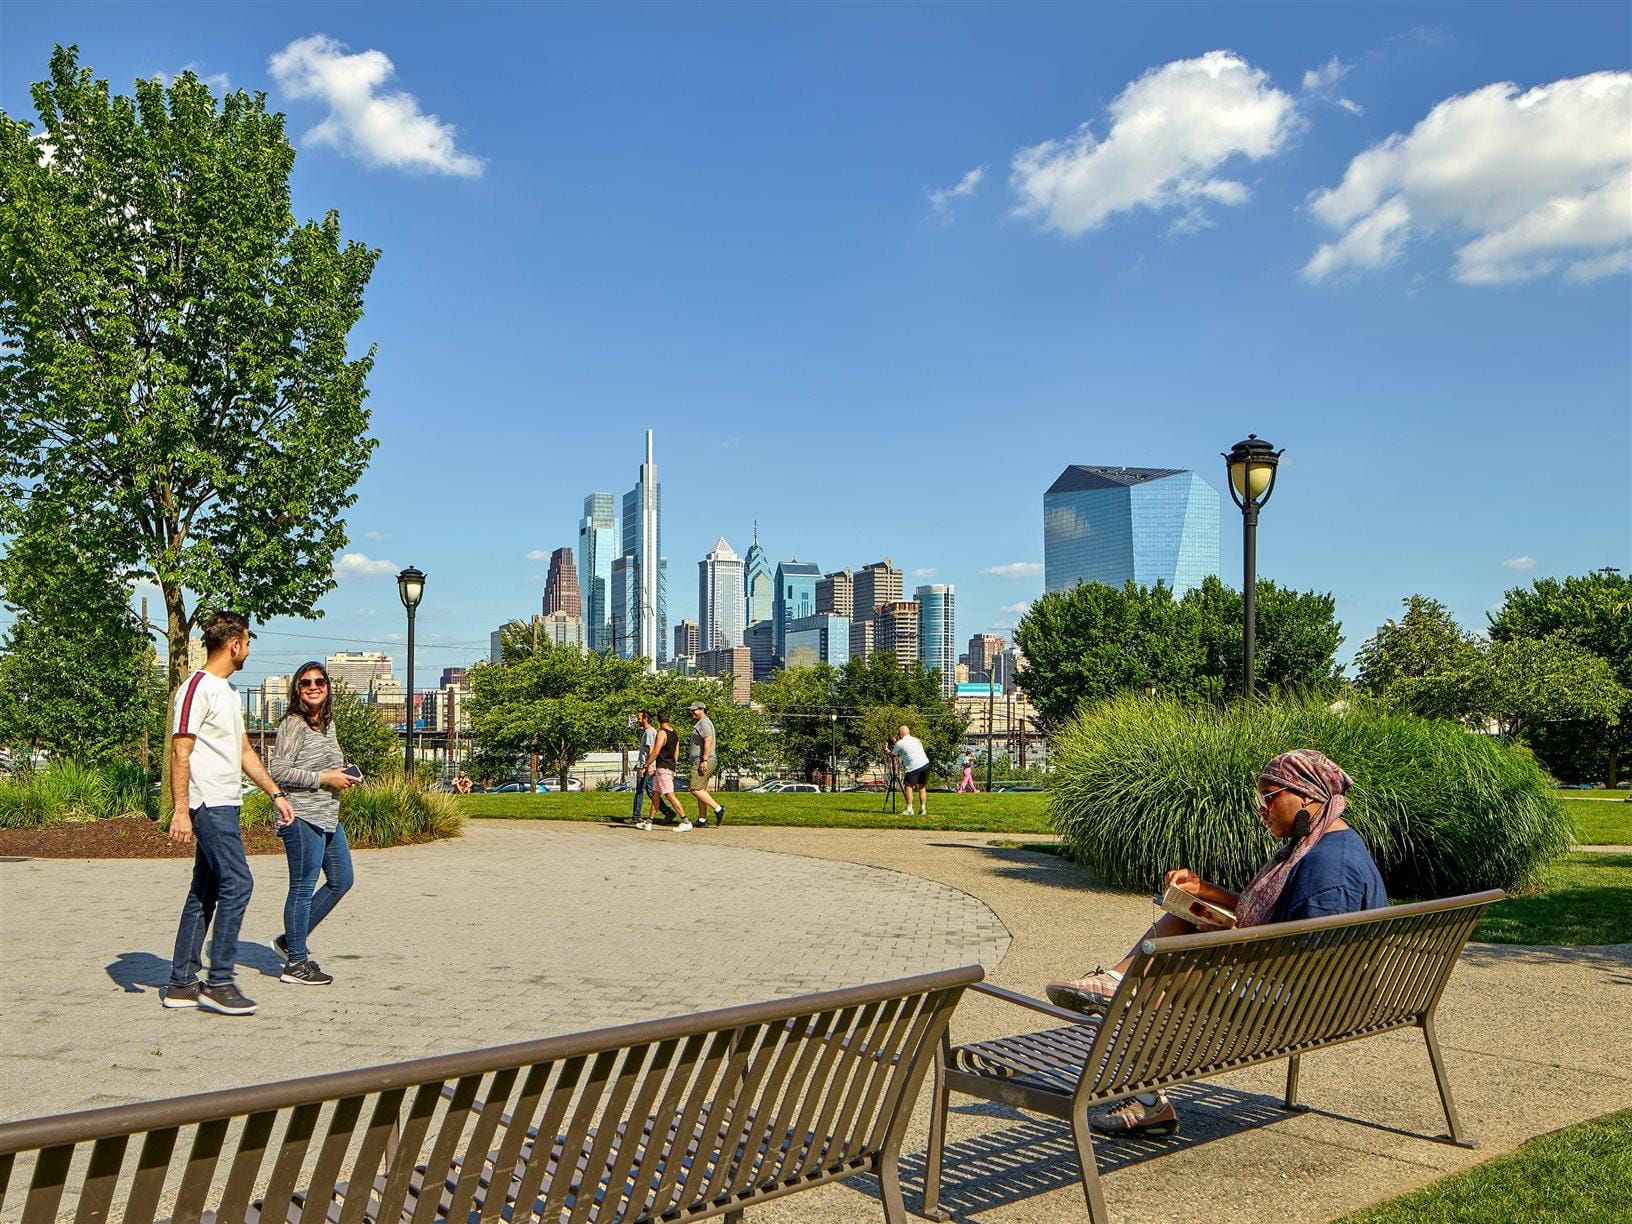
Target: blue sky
[{"x": 722, "y": 222}]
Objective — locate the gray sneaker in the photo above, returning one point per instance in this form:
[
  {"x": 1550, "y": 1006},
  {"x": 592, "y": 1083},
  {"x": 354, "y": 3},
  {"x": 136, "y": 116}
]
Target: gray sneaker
[{"x": 226, "y": 999}]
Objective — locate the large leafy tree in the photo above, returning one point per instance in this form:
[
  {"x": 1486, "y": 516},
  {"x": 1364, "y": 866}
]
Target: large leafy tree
[
  {"x": 1593, "y": 612},
  {"x": 175, "y": 367},
  {"x": 911, "y": 695},
  {"x": 1396, "y": 660},
  {"x": 1521, "y": 685},
  {"x": 797, "y": 702},
  {"x": 1296, "y": 644},
  {"x": 77, "y": 674}
]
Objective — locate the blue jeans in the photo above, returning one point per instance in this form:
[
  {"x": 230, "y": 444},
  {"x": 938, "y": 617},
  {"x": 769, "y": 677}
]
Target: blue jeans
[
  {"x": 310, "y": 850},
  {"x": 219, "y": 894},
  {"x": 643, "y": 788}
]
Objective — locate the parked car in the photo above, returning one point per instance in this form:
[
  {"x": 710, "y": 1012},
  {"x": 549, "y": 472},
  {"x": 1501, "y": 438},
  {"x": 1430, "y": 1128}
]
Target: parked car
[
  {"x": 799, "y": 788},
  {"x": 871, "y": 788},
  {"x": 769, "y": 787},
  {"x": 550, "y": 785},
  {"x": 625, "y": 787},
  {"x": 509, "y": 788}
]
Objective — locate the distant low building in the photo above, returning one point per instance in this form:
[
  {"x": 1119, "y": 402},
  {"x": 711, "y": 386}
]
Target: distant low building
[{"x": 733, "y": 663}]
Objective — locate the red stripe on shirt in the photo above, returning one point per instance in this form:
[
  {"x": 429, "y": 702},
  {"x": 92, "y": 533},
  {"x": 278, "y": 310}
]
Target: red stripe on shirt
[{"x": 187, "y": 703}]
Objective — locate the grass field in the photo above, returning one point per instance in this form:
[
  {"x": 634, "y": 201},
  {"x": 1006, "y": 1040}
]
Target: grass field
[
  {"x": 1579, "y": 1175},
  {"x": 1021, "y": 813},
  {"x": 1584, "y": 899},
  {"x": 1601, "y": 824}
]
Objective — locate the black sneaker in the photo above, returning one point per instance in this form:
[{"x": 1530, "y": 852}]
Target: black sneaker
[
  {"x": 226, "y": 999},
  {"x": 180, "y": 996},
  {"x": 305, "y": 973},
  {"x": 282, "y": 945},
  {"x": 719, "y": 814}
]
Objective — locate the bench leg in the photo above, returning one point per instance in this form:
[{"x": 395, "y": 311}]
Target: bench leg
[
  {"x": 889, "y": 1183},
  {"x": 937, "y": 1139},
  {"x": 1292, "y": 1082},
  {"x": 733, "y": 1217},
  {"x": 1084, "y": 1137},
  {"x": 1444, "y": 1085}
]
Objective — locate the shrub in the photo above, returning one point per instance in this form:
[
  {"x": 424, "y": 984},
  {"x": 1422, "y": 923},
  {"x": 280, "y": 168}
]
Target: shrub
[
  {"x": 63, "y": 791},
  {"x": 1143, "y": 786},
  {"x": 385, "y": 813}
]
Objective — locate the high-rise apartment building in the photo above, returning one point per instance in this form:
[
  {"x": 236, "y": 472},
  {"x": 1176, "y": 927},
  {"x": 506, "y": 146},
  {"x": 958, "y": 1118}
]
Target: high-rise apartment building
[
  {"x": 720, "y": 597},
  {"x": 625, "y": 608},
  {"x": 387, "y": 697},
  {"x": 688, "y": 639},
  {"x": 1119, "y": 525},
  {"x": 762, "y": 648},
  {"x": 937, "y": 633},
  {"x": 599, "y": 546},
  {"x": 835, "y": 593},
  {"x": 646, "y": 589},
  {"x": 359, "y": 669},
  {"x": 454, "y": 677},
  {"x": 895, "y": 631},
  {"x": 795, "y": 597},
  {"x": 274, "y": 698},
  {"x": 983, "y": 648},
  {"x": 873, "y": 586},
  {"x": 561, "y": 629},
  {"x": 819, "y": 638},
  {"x": 735, "y": 664},
  {"x": 561, "y": 593},
  {"x": 759, "y": 587},
  {"x": 862, "y": 638}
]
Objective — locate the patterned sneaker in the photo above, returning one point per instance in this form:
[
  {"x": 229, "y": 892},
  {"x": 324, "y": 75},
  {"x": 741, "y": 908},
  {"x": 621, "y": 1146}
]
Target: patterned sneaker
[
  {"x": 305, "y": 973},
  {"x": 180, "y": 996},
  {"x": 282, "y": 945},
  {"x": 226, "y": 999},
  {"x": 1090, "y": 993},
  {"x": 1135, "y": 1116}
]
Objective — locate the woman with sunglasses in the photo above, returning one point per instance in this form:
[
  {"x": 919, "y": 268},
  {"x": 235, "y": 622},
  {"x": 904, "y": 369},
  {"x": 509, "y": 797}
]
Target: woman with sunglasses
[
  {"x": 309, "y": 766},
  {"x": 1322, "y": 867}
]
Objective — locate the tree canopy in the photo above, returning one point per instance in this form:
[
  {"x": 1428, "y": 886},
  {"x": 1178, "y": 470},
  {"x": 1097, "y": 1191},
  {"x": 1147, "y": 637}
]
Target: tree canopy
[{"x": 176, "y": 374}]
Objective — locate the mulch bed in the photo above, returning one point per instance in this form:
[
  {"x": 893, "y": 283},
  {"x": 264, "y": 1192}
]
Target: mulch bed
[{"x": 123, "y": 837}]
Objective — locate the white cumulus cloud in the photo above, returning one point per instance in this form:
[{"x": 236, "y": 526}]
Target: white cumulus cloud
[
  {"x": 1018, "y": 609},
  {"x": 384, "y": 129},
  {"x": 376, "y": 535},
  {"x": 1529, "y": 182},
  {"x": 1170, "y": 132},
  {"x": 941, "y": 200},
  {"x": 358, "y": 565},
  {"x": 1520, "y": 563},
  {"x": 1015, "y": 569},
  {"x": 1322, "y": 82},
  {"x": 925, "y": 571},
  {"x": 539, "y": 554}
]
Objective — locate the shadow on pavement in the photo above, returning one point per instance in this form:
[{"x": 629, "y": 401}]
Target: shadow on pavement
[
  {"x": 1034, "y": 1156},
  {"x": 133, "y": 971}
]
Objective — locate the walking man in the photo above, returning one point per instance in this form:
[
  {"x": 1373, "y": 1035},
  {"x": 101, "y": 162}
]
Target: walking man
[
  {"x": 208, "y": 752},
  {"x": 660, "y": 766},
  {"x": 643, "y": 763},
  {"x": 704, "y": 765},
  {"x": 914, "y": 768}
]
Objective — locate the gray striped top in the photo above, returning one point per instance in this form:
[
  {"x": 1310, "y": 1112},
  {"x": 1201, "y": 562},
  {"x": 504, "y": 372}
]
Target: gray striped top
[{"x": 297, "y": 765}]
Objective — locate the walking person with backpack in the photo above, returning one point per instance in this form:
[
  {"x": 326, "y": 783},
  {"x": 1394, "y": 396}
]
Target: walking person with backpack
[
  {"x": 309, "y": 765},
  {"x": 209, "y": 756}
]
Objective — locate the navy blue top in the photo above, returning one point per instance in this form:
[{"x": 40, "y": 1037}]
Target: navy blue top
[{"x": 1336, "y": 877}]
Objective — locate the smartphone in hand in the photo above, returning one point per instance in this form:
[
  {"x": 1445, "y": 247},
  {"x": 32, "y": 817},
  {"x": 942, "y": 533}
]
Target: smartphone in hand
[{"x": 351, "y": 771}]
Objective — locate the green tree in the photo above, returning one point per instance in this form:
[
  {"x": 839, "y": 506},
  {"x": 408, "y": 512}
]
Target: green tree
[
  {"x": 76, "y": 670},
  {"x": 797, "y": 701},
  {"x": 365, "y": 739},
  {"x": 175, "y": 367},
  {"x": 1394, "y": 661},
  {"x": 1298, "y": 635},
  {"x": 1523, "y": 684},
  {"x": 911, "y": 695},
  {"x": 742, "y": 741},
  {"x": 557, "y": 705},
  {"x": 1593, "y": 611}
]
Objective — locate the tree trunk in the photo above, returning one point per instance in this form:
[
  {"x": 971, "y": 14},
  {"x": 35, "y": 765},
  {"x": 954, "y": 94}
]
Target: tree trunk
[
  {"x": 1614, "y": 778},
  {"x": 177, "y": 625}
]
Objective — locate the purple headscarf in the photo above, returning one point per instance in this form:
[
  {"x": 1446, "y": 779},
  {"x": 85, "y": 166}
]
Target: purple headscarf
[{"x": 1314, "y": 776}]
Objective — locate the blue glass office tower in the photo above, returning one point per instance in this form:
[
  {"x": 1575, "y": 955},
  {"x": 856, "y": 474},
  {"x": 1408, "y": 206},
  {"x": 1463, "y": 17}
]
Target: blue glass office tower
[
  {"x": 759, "y": 590},
  {"x": 795, "y": 598},
  {"x": 819, "y": 638},
  {"x": 1115, "y": 525},
  {"x": 937, "y": 634},
  {"x": 597, "y": 549},
  {"x": 647, "y": 584}
]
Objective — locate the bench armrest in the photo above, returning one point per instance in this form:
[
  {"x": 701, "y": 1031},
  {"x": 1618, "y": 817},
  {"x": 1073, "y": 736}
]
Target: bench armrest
[{"x": 1036, "y": 1005}]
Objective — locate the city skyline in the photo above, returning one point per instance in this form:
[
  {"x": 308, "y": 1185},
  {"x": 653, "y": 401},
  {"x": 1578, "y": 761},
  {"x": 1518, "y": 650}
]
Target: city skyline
[{"x": 956, "y": 335}]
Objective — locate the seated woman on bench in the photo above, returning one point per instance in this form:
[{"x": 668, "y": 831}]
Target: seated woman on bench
[{"x": 1324, "y": 868}]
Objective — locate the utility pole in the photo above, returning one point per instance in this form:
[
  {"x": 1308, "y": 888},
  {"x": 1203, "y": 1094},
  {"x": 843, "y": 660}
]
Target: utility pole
[
  {"x": 149, "y": 640},
  {"x": 991, "y": 692}
]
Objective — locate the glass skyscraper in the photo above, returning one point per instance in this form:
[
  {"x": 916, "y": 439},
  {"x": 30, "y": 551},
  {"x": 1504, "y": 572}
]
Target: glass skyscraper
[
  {"x": 795, "y": 597},
  {"x": 720, "y": 597},
  {"x": 760, "y": 591},
  {"x": 598, "y": 548},
  {"x": 819, "y": 638},
  {"x": 1116, "y": 525},
  {"x": 937, "y": 634},
  {"x": 646, "y": 601}
]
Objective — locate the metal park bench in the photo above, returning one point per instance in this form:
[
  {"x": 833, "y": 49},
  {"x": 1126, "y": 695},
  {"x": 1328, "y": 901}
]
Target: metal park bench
[
  {"x": 674, "y": 1119},
  {"x": 1195, "y": 1006}
]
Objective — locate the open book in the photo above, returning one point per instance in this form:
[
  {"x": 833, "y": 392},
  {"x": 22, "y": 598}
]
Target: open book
[{"x": 1204, "y": 914}]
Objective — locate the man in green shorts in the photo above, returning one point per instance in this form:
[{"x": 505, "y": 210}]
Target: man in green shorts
[{"x": 704, "y": 764}]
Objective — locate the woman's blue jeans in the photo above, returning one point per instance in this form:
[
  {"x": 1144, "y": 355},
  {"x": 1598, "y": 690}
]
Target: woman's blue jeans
[{"x": 310, "y": 850}]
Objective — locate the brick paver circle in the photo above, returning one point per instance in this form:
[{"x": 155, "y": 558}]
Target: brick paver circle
[{"x": 511, "y": 932}]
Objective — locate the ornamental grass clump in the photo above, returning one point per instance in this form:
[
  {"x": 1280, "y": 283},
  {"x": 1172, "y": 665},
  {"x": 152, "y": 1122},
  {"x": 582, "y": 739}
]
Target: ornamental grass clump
[
  {"x": 66, "y": 791},
  {"x": 388, "y": 812},
  {"x": 1143, "y": 786}
]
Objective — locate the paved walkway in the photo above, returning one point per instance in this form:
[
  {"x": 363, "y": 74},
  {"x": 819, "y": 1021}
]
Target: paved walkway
[{"x": 520, "y": 930}]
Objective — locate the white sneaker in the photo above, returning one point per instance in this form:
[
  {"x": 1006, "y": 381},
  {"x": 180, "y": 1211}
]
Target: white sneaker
[
  {"x": 645, "y": 825},
  {"x": 683, "y": 827},
  {"x": 907, "y": 812}
]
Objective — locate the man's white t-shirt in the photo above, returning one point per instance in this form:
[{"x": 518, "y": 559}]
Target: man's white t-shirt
[
  {"x": 207, "y": 709},
  {"x": 911, "y": 751}
]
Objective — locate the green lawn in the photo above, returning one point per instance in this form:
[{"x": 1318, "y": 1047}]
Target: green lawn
[
  {"x": 1579, "y": 1175},
  {"x": 1595, "y": 794},
  {"x": 1585, "y": 899},
  {"x": 1601, "y": 824},
  {"x": 1021, "y": 813}
]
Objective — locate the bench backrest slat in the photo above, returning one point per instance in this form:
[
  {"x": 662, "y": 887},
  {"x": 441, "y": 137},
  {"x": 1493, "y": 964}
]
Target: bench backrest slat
[
  {"x": 674, "y": 1118},
  {"x": 1197, "y": 1005}
]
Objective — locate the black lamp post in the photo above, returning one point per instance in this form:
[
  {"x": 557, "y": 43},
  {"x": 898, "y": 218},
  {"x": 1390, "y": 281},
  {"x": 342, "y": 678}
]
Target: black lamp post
[
  {"x": 1252, "y": 463},
  {"x": 410, "y": 586},
  {"x": 833, "y": 729}
]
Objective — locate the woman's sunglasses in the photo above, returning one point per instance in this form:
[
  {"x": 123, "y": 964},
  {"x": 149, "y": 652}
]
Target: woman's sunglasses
[
  {"x": 1263, "y": 800},
  {"x": 315, "y": 682}
]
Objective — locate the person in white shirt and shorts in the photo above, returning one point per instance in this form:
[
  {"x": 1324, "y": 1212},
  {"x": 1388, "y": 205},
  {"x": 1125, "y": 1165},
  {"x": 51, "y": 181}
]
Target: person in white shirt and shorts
[{"x": 914, "y": 769}]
